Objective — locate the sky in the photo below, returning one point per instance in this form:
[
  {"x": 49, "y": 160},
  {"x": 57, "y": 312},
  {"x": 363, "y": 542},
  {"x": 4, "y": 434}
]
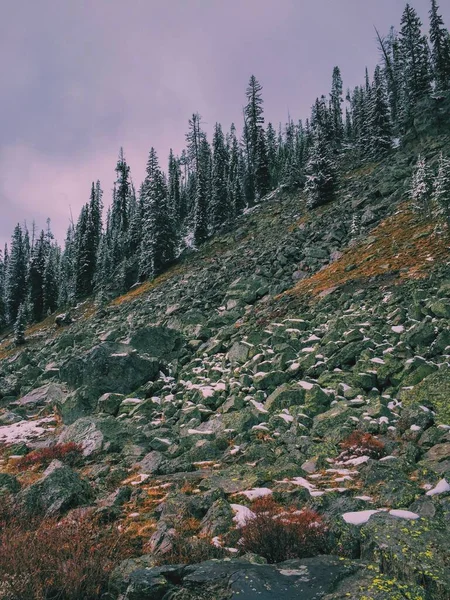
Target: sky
[{"x": 82, "y": 78}]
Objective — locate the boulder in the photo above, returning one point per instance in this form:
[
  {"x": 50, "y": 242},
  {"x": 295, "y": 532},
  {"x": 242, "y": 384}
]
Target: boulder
[
  {"x": 110, "y": 368},
  {"x": 59, "y": 489},
  {"x": 95, "y": 434}
]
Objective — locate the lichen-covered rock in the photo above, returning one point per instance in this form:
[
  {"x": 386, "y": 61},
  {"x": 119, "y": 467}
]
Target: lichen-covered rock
[{"x": 59, "y": 489}]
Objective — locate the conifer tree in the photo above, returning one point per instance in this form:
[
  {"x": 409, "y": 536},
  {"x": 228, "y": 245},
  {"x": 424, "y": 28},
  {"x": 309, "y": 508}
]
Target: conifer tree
[
  {"x": 414, "y": 56},
  {"x": 51, "y": 278},
  {"x": 421, "y": 187},
  {"x": 158, "y": 236},
  {"x": 19, "y": 326},
  {"x": 441, "y": 193},
  {"x": 36, "y": 277},
  {"x": 440, "y": 48},
  {"x": 221, "y": 209},
  {"x": 16, "y": 275},
  {"x": 379, "y": 121},
  {"x": 336, "y": 101},
  {"x": 320, "y": 170},
  {"x": 262, "y": 173},
  {"x": 253, "y": 122},
  {"x": 272, "y": 155},
  {"x": 121, "y": 197},
  {"x": 201, "y": 197},
  {"x": 2, "y": 293}
]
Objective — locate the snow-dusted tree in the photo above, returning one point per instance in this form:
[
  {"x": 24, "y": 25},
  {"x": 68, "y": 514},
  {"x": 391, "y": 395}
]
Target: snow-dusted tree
[
  {"x": 379, "y": 121},
  {"x": 67, "y": 275},
  {"x": 415, "y": 62},
  {"x": 2, "y": 293},
  {"x": 336, "y": 101},
  {"x": 121, "y": 198},
  {"x": 261, "y": 173},
  {"x": 253, "y": 122},
  {"x": 320, "y": 171},
  {"x": 158, "y": 236},
  {"x": 201, "y": 208},
  {"x": 440, "y": 48},
  {"x": 221, "y": 211},
  {"x": 51, "y": 278},
  {"x": 19, "y": 326},
  {"x": 16, "y": 275},
  {"x": 36, "y": 277},
  {"x": 421, "y": 187},
  {"x": 441, "y": 193}
]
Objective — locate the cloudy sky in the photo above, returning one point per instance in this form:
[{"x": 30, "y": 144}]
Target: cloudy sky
[{"x": 82, "y": 78}]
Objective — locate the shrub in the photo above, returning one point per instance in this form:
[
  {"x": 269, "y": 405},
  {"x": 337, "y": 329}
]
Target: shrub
[
  {"x": 46, "y": 559},
  {"x": 359, "y": 443},
  {"x": 70, "y": 453},
  {"x": 279, "y": 534}
]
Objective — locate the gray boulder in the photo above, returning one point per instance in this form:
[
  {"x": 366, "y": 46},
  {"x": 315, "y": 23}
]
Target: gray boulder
[{"x": 59, "y": 489}]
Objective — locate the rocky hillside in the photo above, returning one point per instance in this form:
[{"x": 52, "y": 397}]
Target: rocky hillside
[{"x": 303, "y": 357}]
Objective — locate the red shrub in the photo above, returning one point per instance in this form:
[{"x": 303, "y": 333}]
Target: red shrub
[
  {"x": 280, "y": 534},
  {"x": 359, "y": 443},
  {"x": 47, "y": 559},
  {"x": 70, "y": 453}
]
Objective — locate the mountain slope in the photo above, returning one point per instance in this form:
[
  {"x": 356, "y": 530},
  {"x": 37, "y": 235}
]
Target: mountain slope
[{"x": 245, "y": 371}]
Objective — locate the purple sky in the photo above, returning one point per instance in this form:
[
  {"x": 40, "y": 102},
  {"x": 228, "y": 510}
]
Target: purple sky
[{"x": 80, "y": 79}]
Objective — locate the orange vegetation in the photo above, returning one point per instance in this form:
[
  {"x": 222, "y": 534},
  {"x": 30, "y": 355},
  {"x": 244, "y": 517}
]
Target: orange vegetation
[{"x": 402, "y": 245}]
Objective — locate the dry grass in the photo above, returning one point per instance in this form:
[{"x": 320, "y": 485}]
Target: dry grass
[
  {"x": 402, "y": 245},
  {"x": 70, "y": 453},
  {"x": 359, "y": 443},
  {"x": 46, "y": 559},
  {"x": 278, "y": 533}
]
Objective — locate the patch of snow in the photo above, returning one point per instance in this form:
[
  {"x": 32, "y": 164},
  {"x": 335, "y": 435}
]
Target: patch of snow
[
  {"x": 398, "y": 329},
  {"x": 242, "y": 514},
  {"x": 441, "y": 488},
  {"x": 24, "y": 431},
  {"x": 378, "y": 361},
  {"x": 259, "y": 406},
  {"x": 306, "y": 385},
  {"x": 359, "y": 517},
  {"x": 404, "y": 514},
  {"x": 415, "y": 428},
  {"x": 256, "y": 493}
]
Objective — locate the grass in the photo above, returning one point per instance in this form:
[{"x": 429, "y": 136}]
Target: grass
[
  {"x": 403, "y": 245},
  {"x": 42, "y": 558}
]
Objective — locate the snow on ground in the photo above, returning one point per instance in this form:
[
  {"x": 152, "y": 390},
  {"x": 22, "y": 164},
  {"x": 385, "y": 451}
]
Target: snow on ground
[
  {"x": 242, "y": 514},
  {"x": 358, "y": 518},
  {"x": 404, "y": 514},
  {"x": 256, "y": 493},
  {"x": 24, "y": 431},
  {"x": 441, "y": 488}
]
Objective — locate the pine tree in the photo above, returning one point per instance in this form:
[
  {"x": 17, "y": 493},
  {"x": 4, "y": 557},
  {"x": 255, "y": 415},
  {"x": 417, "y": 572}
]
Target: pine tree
[
  {"x": 2, "y": 293},
  {"x": 175, "y": 199},
  {"x": 51, "y": 278},
  {"x": 19, "y": 326},
  {"x": 121, "y": 198},
  {"x": 440, "y": 49},
  {"x": 320, "y": 170},
  {"x": 421, "y": 187},
  {"x": 201, "y": 197},
  {"x": 262, "y": 173},
  {"x": 221, "y": 208},
  {"x": 16, "y": 275},
  {"x": 67, "y": 279},
  {"x": 158, "y": 236},
  {"x": 379, "y": 121},
  {"x": 272, "y": 155},
  {"x": 441, "y": 194},
  {"x": 414, "y": 56},
  {"x": 336, "y": 101},
  {"x": 253, "y": 122},
  {"x": 36, "y": 277}
]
